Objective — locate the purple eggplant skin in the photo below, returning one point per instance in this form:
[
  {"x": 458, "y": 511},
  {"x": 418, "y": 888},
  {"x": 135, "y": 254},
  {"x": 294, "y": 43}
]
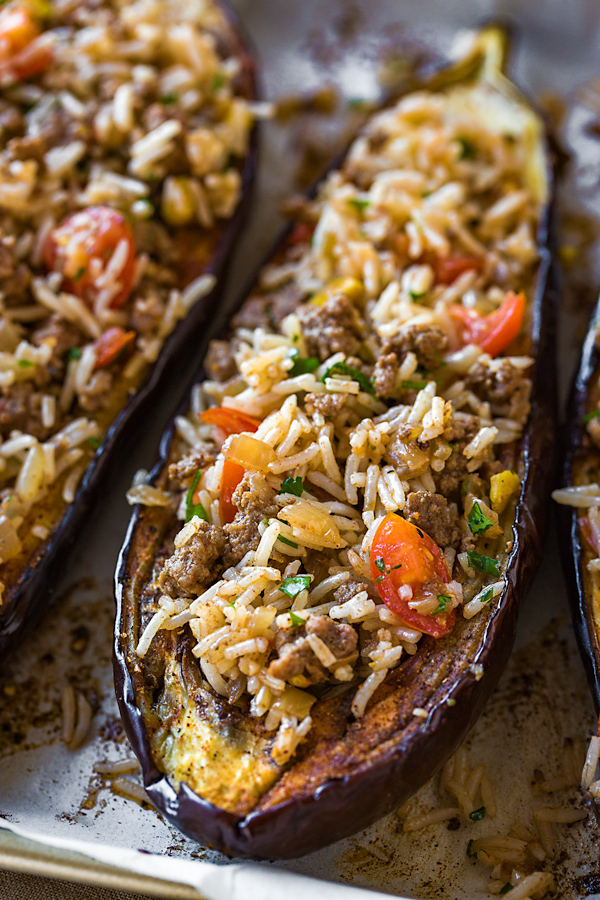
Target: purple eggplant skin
[
  {"x": 349, "y": 775},
  {"x": 32, "y": 587},
  {"x": 577, "y": 451}
]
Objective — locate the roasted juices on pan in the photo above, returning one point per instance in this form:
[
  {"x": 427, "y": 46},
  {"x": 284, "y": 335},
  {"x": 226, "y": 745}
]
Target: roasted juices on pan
[
  {"x": 319, "y": 588},
  {"x": 124, "y": 162}
]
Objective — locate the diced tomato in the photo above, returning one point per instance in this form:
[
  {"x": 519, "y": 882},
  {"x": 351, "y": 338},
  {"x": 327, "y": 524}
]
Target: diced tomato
[
  {"x": 82, "y": 246},
  {"x": 23, "y": 51},
  {"x": 403, "y": 555},
  {"x": 232, "y": 475},
  {"x": 448, "y": 270},
  {"x": 231, "y": 421},
  {"x": 301, "y": 233},
  {"x": 109, "y": 346},
  {"x": 496, "y": 331}
]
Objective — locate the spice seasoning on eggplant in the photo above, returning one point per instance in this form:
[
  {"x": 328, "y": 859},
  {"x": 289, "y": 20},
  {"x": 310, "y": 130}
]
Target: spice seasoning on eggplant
[{"x": 380, "y": 554}]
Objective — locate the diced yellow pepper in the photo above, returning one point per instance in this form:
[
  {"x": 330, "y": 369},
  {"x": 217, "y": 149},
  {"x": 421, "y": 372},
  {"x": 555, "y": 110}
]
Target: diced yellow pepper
[
  {"x": 351, "y": 287},
  {"x": 503, "y": 487}
]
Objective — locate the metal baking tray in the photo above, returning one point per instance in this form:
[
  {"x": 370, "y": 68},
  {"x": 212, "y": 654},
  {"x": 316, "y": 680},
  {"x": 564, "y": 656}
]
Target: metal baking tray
[{"x": 542, "y": 700}]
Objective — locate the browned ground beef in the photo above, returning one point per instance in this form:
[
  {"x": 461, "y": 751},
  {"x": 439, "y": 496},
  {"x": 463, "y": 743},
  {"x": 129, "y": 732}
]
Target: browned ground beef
[
  {"x": 183, "y": 472},
  {"x": 506, "y": 389},
  {"x": 269, "y": 310},
  {"x": 61, "y": 335},
  {"x": 219, "y": 361},
  {"x": 334, "y": 327},
  {"x": 147, "y": 313},
  {"x": 459, "y": 432},
  {"x": 20, "y": 407},
  {"x": 431, "y": 513},
  {"x": 328, "y": 405},
  {"x": 254, "y": 500},
  {"x": 296, "y": 658},
  {"x": 348, "y": 590},
  {"x": 384, "y": 375},
  {"x": 193, "y": 566},
  {"x": 425, "y": 341}
]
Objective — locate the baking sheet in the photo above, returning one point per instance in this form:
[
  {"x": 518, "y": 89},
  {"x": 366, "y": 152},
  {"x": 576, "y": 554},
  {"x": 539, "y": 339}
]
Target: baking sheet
[{"x": 542, "y": 699}]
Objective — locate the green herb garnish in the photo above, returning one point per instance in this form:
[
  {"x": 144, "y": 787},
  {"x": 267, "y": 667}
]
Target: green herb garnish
[
  {"x": 467, "y": 148},
  {"x": 470, "y": 853},
  {"x": 416, "y": 295},
  {"x": 505, "y": 888},
  {"x": 593, "y": 415},
  {"x": 357, "y": 102},
  {"x": 25, "y": 364},
  {"x": 293, "y": 486},
  {"x": 218, "y": 81},
  {"x": 342, "y": 368},
  {"x": 74, "y": 353},
  {"x": 194, "y": 509},
  {"x": 169, "y": 98},
  {"x": 414, "y": 385},
  {"x": 380, "y": 564},
  {"x": 486, "y": 595},
  {"x": 443, "y": 601},
  {"x": 302, "y": 365},
  {"x": 358, "y": 203},
  {"x": 79, "y": 274},
  {"x": 296, "y": 620},
  {"x": 94, "y": 442},
  {"x": 483, "y": 563},
  {"x": 295, "y": 585},
  {"x": 286, "y": 541},
  {"x": 478, "y": 814},
  {"x": 478, "y": 521},
  {"x": 451, "y": 701}
]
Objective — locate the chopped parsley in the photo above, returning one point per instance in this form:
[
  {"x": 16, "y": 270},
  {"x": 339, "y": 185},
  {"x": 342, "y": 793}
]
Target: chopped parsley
[
  {"x": 74, "y": 353},
  {"x": 79, "y": 274},
  {"x": 478, "y": 521},
  {"x": 416, "y": 295},
  {"x": 194, "y": 509},
  {"x": 218, "y": 81},
  {"x": 358, "y": 203},
  {"x": 25, "y": 364},
  {"x": 589, "y": 416},
  {"x": 478, "y": 814},
  {"x": 443, "y": 601},
  {"x": 483, "y": 563},
  {"x": 505, "y": 888},
  {"x": 293, "y": 486},
  {"x": 295, "y": 585},
  {"x": 302, "y": 365},
  {"x": 414, "y": 385},
  {"x": 94, "y": 442},
  {"x": 342, "y": 368},
  {"x": 296, "y": 620},
  {"x": 467, "y": 149},
  {"x": 380, "y": 564},
  {"x": 357, "y": 102},
  {"x": 169, "y": 99},
  {"x": 470, "y": 853},
  {"x": 289, "y": 543},
  {"x": 232, "y": 603},
  {"x": 486, "y": 595}
]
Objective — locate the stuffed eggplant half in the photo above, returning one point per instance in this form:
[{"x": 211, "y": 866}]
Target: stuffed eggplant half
[
  {"x": 319, "y": 588},
  {"x": 580, "y": 506},
  {"x": 125, "y": 160}
]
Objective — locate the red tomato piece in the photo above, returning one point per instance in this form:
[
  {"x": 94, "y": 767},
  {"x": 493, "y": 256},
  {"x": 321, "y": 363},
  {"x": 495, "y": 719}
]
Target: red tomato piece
[
  {"x": 403, "y": 555},
  {"x": 82, "y": 246},
  {"x": 23, "y": 51},
  {"x": 111, "y": 345},
  {"x": 496, "y": 331},
  {"x": 301, "y": 233},
  {"x": 232, "y": 475},
  {"x": 448, "y": 270},
  {"x": 230, "y": 420}
]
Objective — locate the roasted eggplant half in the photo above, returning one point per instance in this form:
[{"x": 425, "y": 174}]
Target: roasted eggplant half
[
  {"x": 319, "y": 587},
  {"x": 127, "y": 153},
  {"x": 579, "y": 509}
]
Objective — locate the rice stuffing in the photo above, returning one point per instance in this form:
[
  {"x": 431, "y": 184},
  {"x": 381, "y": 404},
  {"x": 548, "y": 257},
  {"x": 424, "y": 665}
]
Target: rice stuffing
[
  {"x": 120, "y": 123},
  {"x": 347, "y": 477}
]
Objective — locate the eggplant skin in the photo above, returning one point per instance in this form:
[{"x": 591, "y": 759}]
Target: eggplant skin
[
  {"x": 580, "y": 456},
  {"x": 31, "y": 586},
  {"x": 347, "y": 776}
]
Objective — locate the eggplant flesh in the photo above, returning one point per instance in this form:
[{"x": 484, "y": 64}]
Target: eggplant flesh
[
  {"x": 581, "y": 468},
  {"x": 205, "y": 761},
  {"x": 29, "y": 578}
]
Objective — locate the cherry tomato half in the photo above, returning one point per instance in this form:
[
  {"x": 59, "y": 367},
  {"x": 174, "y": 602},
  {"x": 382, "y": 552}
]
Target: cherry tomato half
[
  {"x": 231, "y": 421},
  {"x": 23, "y": 51},
  {"x": 232, "y": 475},
  {"x": 496, "y": 331},
  {"x": 111, "y": 345},
  {"x": 81, "y": 248},
  {"x": 404, "y": 555}
]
